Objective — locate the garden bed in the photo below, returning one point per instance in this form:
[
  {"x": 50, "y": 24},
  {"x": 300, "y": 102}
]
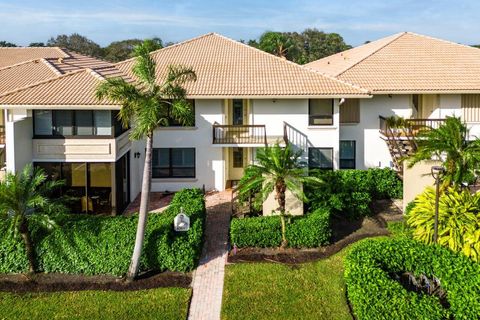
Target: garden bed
[
  {"x": 54, "y": 282},
  {"x": 344, "y": 232}
]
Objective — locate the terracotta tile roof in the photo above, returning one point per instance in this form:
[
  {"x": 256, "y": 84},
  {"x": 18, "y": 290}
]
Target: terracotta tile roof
[
  {"x": 407, "y": 63},
  {"x": 227, "y": 68},
  {"x": 15, "y": 55},
  {"x": 26, "y": 73},
  {"x": 77, "y": 61},
  {"x": 76, "y": 88}
]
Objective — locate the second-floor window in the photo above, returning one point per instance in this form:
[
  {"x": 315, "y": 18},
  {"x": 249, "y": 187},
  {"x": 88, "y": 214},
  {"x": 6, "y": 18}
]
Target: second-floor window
[
  {"x": 320, "y": 112},
  {"x": 67, "y": 123},
  {"x": 173, "y": 163}
]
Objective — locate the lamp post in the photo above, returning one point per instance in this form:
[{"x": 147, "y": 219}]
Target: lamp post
[{"x": 437, "y": 172}]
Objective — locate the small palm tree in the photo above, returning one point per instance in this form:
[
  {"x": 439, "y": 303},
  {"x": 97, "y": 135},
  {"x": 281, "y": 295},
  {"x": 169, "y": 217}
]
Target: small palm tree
[
  {"x": 279, "y": 170},
  {"x": 26, "y": 193},
  {"x": 449, "y": 143},
  {"x": 146, "y": 106}
]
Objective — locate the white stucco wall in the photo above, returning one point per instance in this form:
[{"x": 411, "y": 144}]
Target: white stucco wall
[
  {"x": 208, "y": 158},
  {"x": 19, "y": 146},
  {"x": 273, "y": 113},
  {"x": 371, "y": 150}
]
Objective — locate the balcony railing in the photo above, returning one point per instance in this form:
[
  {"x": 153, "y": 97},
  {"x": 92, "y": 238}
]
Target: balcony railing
[
  {"x": 239, "y": 134},
  {"x": 410, "y": 128}
]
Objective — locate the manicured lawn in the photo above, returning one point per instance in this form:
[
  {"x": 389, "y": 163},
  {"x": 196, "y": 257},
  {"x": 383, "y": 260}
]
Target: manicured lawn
[
  {"x": 163, "y": 303},
  {"x": 274, "y": 291}
]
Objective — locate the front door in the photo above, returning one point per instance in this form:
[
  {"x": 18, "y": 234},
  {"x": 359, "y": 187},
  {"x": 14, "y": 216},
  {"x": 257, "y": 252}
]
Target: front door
[
  {"x": 428, "y": 103},
  {"x": 238, "y": 160}
]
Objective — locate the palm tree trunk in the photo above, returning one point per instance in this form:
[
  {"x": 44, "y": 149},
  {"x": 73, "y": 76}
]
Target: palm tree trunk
[
  {"x": 143, "y": 212},
  {"x": 281, "y": 190},
  {"x": 28, "y": 244}
]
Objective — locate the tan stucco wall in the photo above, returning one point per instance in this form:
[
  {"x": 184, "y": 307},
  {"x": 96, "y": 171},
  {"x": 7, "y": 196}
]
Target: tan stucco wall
[{"x": 416, "y": 179}]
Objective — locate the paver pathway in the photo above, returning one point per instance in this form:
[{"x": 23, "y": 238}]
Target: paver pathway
[{"x": 207, "y": 282}]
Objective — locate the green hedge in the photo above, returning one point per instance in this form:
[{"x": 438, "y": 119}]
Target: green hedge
[
  {"x": 103, "y": 245},
  {"x": 351, "y": 192},
  {"x": 375, "y": 295},
  {"x": 308, "y": 231}
]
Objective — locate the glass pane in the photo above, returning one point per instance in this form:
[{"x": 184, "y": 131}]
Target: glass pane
[
  {"x": 100, "y": 187},
  {"x": 103, "y": 122},
  {"x": 320, "y": 158},
  {"x": 321, "y": 112},
  {"x": 84, "y": 122},
  {"x": 347, "y": 150},
  {"x": 64, "y": 122},
  {"x": 237, "y": 112},
  {"x": 238, "y": 158},
  {"x": 183, "y": 157},
  {"x": 163, "y": 157},
  {"x": 43, "y": 122}
]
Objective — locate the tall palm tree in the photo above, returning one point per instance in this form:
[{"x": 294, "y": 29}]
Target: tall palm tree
[
  {"x": 147, "y": 105},
  {"x": 449, "y": 143},
  {"x": 279, "y": 170},
  {"x": 276, "y": 43},
  {"x": 26, "y": 193}
]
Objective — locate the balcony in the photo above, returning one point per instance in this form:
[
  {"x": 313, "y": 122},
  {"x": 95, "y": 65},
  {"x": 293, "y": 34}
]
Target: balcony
[
  {"x": 239, "y": 134},
  {"x": 410, "y": 128}
]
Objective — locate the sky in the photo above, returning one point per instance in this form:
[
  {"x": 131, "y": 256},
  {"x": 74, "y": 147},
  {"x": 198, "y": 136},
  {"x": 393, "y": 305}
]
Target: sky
[{"x": 104, "y": 21}]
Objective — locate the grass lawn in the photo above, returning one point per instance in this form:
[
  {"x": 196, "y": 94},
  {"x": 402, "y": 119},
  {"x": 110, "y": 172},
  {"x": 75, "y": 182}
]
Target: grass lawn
[
  {"x": 274, "y": 291},
  {"x": 162, "y": 303}
]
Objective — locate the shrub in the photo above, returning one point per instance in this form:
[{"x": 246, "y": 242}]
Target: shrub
[
  {"x": 103, "y": 245},
  {"x": 374, "y": 294},
  {"x": 252, "y": 196},
  {"x": 458, "y": 220},
  {"x": 308, "y": 231},
  {"x": 13, "y": 258},
  {"x": 351, "y": 192},
  {"x": 399, "y": 229}
]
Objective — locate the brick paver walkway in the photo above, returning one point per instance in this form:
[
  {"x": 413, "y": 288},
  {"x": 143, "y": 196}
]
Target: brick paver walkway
[{"x": 207, "y": 282}]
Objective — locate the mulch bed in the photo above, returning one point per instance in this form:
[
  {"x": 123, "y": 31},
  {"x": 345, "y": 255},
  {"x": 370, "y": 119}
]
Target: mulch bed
[
  {"x": 53, "y": 282},
  {"x": 344, "y": 233}
]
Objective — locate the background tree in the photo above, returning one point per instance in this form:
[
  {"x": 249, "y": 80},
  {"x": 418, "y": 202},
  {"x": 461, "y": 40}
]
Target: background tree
[
  {"x": 37, "y": 44},
  {"x": 278, "y": 170},
  {"x": 449, "y": 143},
  {"x": 145, "y": 107},
  {"x": 7, "y": 44},
  {"x": 26, "y": 193},
  {"x": 275, "y": 43},
  {"x": 77, "y": 43},
  {"x": 122, "y": 50}
]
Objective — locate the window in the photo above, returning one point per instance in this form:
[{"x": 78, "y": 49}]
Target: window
[
  {"x": 320, "y": 112},
  {"x": 237, "y": 112},
  {"x": 43, "y": 122},
  {"x": 173, "y": 163},
  {"x": 66, "y": 123},
  {"x": 320, "y": 158},
  {"x": 350, "y": 111},
  {"x": 238, "y": 157},
  {"x": 347, "y": 154}
]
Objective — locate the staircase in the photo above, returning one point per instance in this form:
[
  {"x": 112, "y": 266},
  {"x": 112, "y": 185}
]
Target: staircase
[{"x": 400, "y": 142}]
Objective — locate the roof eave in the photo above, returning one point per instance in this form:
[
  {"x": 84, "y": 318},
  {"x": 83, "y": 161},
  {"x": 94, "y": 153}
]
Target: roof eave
[
  {"x": 61, "y": 107},
  {"x": 427, "y": 91},
  {"x": 306, "y": 96}
]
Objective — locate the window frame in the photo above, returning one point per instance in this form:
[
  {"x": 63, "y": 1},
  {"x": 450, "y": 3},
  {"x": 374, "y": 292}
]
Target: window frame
[
  {"x": 54, "y": 135},
  {"x": 171, "y": 167},
  {"x": 319, "y": 168},
  {"x": 354, "y": 155},
  {"x": 312, "y": 117}
]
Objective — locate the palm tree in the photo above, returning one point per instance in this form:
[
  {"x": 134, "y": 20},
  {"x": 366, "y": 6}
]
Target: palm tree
[
  {"x": 147, "y": 105},
  {"x": 276, "y": 43},
  {"x": 279, "y": 170},
  {"x": 449, "y": 143},
  {"x": 26, "y": 193}
]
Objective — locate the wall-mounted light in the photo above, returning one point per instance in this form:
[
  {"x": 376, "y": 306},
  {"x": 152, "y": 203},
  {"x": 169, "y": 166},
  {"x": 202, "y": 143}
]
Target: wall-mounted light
[
  {"x": 390, "y": 96},
  {"x": 136, "y": 155}
]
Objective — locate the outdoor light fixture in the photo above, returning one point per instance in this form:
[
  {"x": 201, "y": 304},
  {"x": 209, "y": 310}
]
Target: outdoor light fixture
[
  {"x": 181, "y": 222},
  {"x": 136, "y": 155},
  {"x": 437, "y": 173}
]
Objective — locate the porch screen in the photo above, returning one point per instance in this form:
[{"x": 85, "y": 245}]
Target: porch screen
[
  {"x": 471, "y": 107},
  {"x": 350, "y": 111}
]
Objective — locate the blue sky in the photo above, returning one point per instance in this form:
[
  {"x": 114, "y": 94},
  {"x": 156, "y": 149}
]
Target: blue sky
[{"x": 104, "y": 21}]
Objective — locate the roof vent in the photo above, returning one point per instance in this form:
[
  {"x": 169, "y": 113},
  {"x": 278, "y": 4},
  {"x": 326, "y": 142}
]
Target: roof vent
[{"x": 60, "y": 60}]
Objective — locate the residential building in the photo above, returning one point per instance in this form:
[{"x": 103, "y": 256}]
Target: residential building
[{"x": 243, "y": 99}]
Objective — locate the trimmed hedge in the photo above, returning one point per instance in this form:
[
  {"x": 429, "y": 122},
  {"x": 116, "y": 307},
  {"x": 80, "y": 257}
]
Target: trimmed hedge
[
  {"x": 375, "y": 295},
  {"x": 103, "y": 245},
  {"x": 308, "y": 231},
  {"x": 351, "y": 192}
]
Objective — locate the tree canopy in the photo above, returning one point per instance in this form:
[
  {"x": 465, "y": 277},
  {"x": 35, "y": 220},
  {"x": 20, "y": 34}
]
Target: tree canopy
[
  {"x": 304, "y": 47},
  {"x": 77, "y": 43},
  {"x": 7, "y": 44}
]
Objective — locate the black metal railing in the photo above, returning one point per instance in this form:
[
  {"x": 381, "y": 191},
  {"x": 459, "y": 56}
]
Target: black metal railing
[
  {"x": 410, "y": 127},
  {"x": 239, "y": 134}
]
